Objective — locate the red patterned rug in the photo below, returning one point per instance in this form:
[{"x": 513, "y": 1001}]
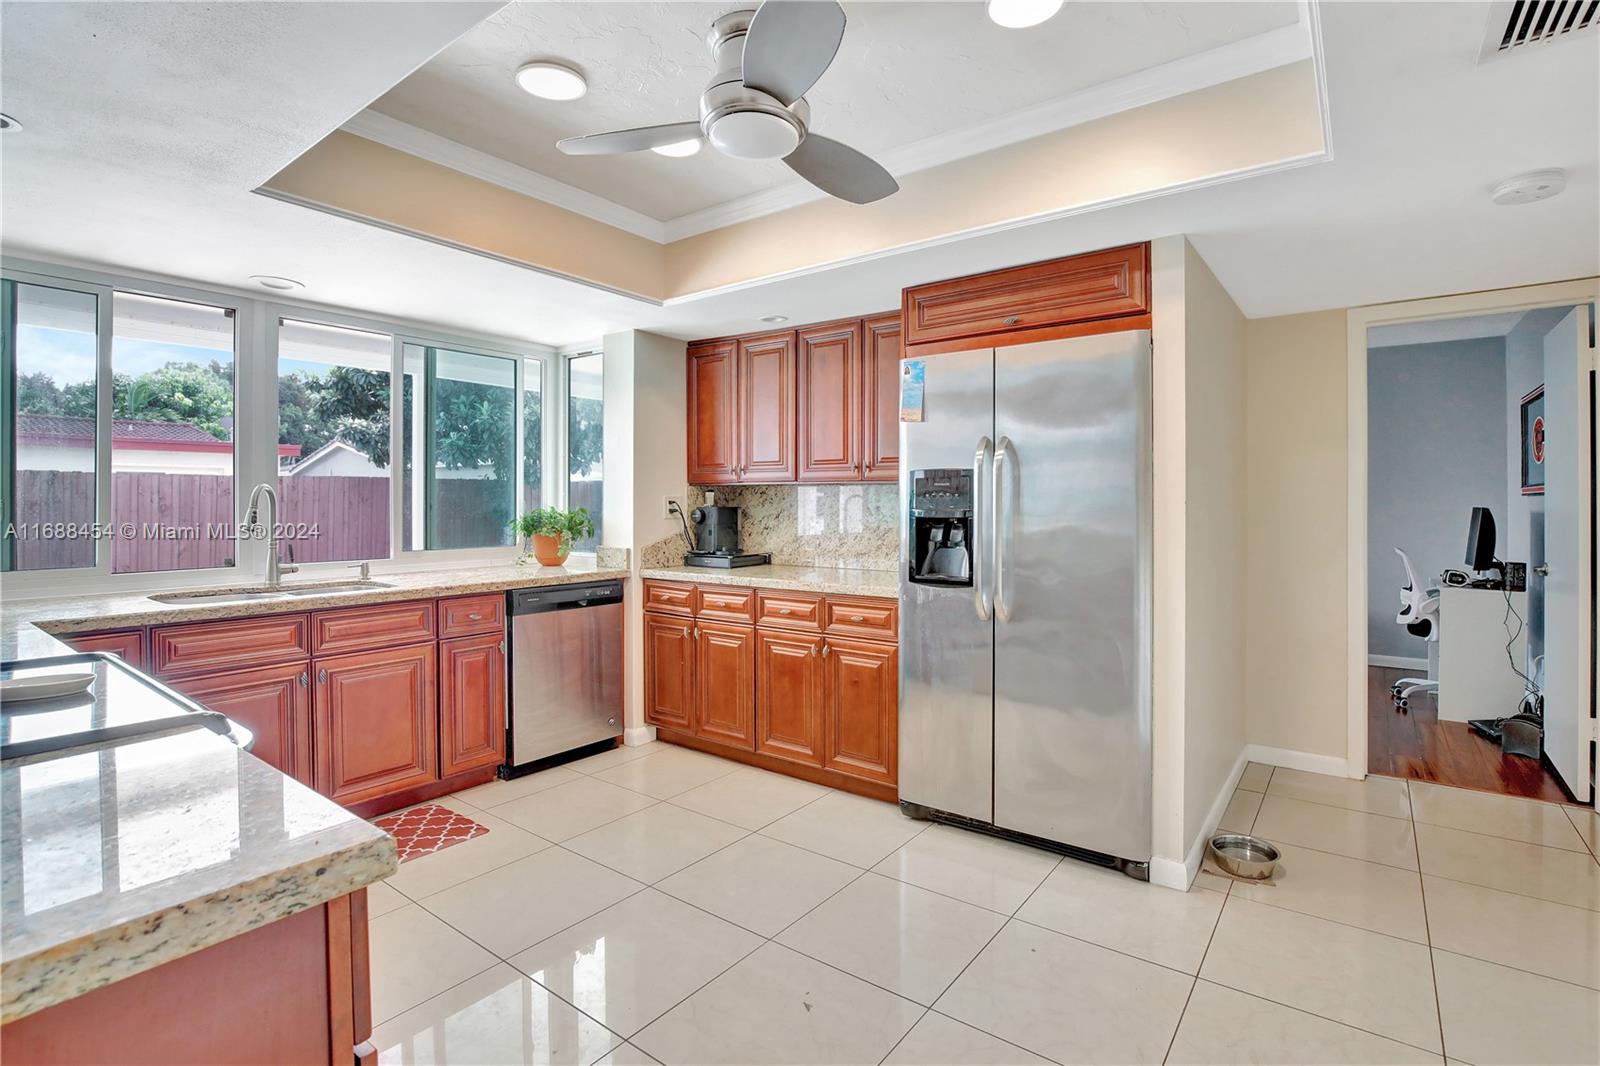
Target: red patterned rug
[{"x": 429, "y": 828}]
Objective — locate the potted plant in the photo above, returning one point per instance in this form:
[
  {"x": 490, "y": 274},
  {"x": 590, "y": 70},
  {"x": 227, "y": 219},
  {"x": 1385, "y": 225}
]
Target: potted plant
[{"x": 552, "y": 531}]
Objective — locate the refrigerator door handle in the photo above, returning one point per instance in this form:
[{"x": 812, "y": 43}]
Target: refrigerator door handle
[
  {"x": 1005, "y": 461},
  {"x": 982, "y": 600}
]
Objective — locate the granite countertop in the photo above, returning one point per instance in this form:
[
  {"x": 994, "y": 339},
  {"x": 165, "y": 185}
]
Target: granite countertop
[
  {"x": 836, "y": 580},
  {"x": 116, "y": 860}
]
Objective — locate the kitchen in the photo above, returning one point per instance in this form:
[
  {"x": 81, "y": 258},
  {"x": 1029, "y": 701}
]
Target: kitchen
[{"x": 783, "y": 659}]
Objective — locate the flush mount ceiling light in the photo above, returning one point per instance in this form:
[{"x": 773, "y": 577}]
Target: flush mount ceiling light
[
  {"x": 275, "y": 283},
  {"x": 9, "y": 124},
  {"x": 774, "y": 319},
  {"x": 551, "y": 81},
  {"x": 678, "y": 149},
  {"x": 1529, "y": 188},
  {"x": 1020, "y": 14}
]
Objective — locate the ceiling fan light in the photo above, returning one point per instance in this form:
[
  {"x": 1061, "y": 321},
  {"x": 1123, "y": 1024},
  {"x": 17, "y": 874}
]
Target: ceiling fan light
[
  {"x": 678, "y": 149},
  {"x": 754, "y": 135},
  {"x": 551, "y": 81},
  {"x": 1020, "y": 14}
]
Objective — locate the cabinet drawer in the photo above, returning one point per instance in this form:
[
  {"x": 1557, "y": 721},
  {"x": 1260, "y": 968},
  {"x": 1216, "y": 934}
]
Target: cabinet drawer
[
  {"x": 128, "y": 644},
  {"x": 795, "y": 610},
  {"x": 726, "y": 604},
  {"x": 365, "y": 628},
  {"x": 871, "y": 619},
  {"x": 463, "y": 616},
  {"x": 1080, "y": 288},
  {"x": 201, "y": 647},
  {"x": 669, "y": 597}
]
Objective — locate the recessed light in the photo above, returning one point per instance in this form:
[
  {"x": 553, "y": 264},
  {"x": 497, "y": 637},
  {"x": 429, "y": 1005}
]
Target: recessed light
[
  {"x": 678, "y": 149},
  {"x": 9, "y": 124},
  {"x": 551, "y": 81},
  {"x": 1529, "y": 188},
  {"x": 774, "y": 319},
  {"x": 277, "y": 284},
  {"x": 1020, "y": 14}
]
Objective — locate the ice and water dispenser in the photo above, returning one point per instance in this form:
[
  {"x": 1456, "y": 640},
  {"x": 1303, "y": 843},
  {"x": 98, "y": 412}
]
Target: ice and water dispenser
[{"x": 941, "y": 527}]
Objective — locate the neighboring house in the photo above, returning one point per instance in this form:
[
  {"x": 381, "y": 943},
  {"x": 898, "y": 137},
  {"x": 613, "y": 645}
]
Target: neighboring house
[
  {"x": 61, "y": 442},
  {"x": 333, "y": 459}
]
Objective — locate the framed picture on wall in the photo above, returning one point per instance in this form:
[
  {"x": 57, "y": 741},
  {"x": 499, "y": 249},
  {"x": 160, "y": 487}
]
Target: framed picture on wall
[{"x": 1533, "y": 443}]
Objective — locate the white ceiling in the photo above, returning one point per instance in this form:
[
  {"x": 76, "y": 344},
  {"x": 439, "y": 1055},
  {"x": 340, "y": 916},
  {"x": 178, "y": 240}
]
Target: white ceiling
[
  {"x": 142, "y": 151},
  {"x": 905, "y": 72},
  {"x": 1442, "y": 330}
]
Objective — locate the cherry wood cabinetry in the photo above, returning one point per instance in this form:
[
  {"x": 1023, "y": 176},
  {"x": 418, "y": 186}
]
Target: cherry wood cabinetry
[
  {"x": 668, "y": 671},
  {"x": 859, "y": 704},
  {"x": 880, "y": 400},
  {"x": 127, "y": 644},
  {"x": 273, "y": 702},
  {"x": 724, "y": 670},
  {"x": 713, "y": 412},
  {"x": 234, "y": 644},
  {"x": 463, "y": 616},
  {"x": 472, "y": 703},
  {"x": 789, "y": 695},
  {"x": 376, "y": 722},
  {"x": 767, "y": 408},
  {"x": 357, "y": 628},
  {"x": 829, "y": 370}
]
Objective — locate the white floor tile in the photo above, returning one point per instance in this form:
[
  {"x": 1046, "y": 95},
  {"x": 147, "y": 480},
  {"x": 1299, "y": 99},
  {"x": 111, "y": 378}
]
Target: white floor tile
[
  {"x": 1569, "y": 877},
  {"x": 1517, "y": 931},
  {"x": 1068, "y": 1000},
  {"x": 849, "y": 828},
  {"x": 749, "y": 797},
  {"x": 503, "y": 843},
  {"x": 626, "y": 1055},
  {"x": 618, "y": 755},
  {"x": 760, "y": 884},
  {"x": 980, "y": 869},
  {"x": 415, "y": 956},
  {"x": 1104, "y": 907},
  {"x": 1495, "y": 1016},
  {"x": 1240, "y": 815},
  {"x": 1375, "y": 795},
  {"x": 937, "y": 1039},
  {"x": 1531, "y": 821},
  {"x": 1222, "y": 1027},
  {"x": 1255, "y": 777},
  {"x": 1211, "y": 879},
  {"x": 635, "y": 960},
  {"x": 655, "y": 842},
  {"x": 780, "y": 1007},
  {"x": 572, "y": 808},
  {"x": 665, "y": 774},
  {"x": 1587, "y": 823},
  {"x": 1368, "y": 894},
  {"x": 486, "y": 797},
  {"x": 906, "y": 939},
  {"x": 497, "y": 1017},
  {"x": 516, "y": 906},
  {"x": 1360, "y": 835},
  {"x": 381, "y": 899},
  {"x": 1363, "y": 979}
]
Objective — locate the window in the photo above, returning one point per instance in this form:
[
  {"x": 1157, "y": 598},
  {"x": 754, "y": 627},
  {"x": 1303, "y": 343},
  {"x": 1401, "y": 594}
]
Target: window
[
  {"x": 333, "y": 442},
  {"x": 50, "y": 343},
  {"x": 586, "y": 440},
  {"x": 172, "y": 434},
  {"x": 532, "y": 435}
]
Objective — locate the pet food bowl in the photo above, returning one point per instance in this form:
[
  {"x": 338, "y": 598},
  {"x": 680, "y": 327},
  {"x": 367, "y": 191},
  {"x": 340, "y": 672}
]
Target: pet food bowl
[{"x": 1244, "y": 856}]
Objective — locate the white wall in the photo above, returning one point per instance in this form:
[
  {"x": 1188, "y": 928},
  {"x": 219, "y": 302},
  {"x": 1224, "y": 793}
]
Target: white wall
[{"x": 1524, "y": 373}]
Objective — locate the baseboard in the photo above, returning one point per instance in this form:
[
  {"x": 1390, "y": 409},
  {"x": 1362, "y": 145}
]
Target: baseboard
[
  {"x": 636, "y": 735},
  {"x": 1399, "y": 662},
  {"x": 1169, "y": 873},
  {"x": 1310, "y": 762}
]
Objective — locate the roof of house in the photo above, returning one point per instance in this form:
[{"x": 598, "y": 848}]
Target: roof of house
[
  {"x": 126, "y": 433},
  {"x": 321, "y": 454}
]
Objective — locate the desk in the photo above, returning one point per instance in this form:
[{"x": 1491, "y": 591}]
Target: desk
[{"x": 1475, "y": 677}]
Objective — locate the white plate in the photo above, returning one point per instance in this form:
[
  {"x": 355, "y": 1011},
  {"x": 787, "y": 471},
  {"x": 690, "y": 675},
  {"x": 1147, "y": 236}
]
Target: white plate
[{"x": 43, "y": 686}]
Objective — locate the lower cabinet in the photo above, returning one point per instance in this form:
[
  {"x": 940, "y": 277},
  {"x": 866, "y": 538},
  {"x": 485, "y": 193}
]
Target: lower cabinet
[
  {"x": 669, "y": 671},
  {"x": 472, "y": 703},
  {"x": 789, "y": 695},
  {"x": 273, "y": 702},
  {"x": 860, "y": 707},
  {"x": 724, "y": 670},
  {"x": 128, "y": 644},
  {"x": 376, "y": 722}
]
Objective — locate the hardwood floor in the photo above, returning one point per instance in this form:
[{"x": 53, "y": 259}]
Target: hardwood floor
[{"x": 1414, "y": 743}]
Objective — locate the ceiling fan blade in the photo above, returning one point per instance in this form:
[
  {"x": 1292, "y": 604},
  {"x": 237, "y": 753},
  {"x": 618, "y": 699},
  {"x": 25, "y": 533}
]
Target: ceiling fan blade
[
  {"x": 634, "y": 140},
  {"x": 790, "y": 44},
  {"x": 839, "y": 170}
]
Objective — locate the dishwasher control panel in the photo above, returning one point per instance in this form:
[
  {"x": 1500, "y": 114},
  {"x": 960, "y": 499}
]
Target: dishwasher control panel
[{"x": 557, "y": 597}]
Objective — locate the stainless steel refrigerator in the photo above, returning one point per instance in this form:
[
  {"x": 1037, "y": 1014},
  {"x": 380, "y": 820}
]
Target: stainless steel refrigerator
[{"x": 1025, "y": 591}]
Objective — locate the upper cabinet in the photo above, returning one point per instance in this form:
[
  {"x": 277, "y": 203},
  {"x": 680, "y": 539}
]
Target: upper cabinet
[
  {"x": 766, "y": 408},
  {"x": 880, "y": 400},
  {"x": 713, "y": 413},
  {"x": 830, "y": 401}
]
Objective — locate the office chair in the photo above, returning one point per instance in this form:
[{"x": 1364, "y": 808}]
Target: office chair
[{"x": 1419, "y": 613}]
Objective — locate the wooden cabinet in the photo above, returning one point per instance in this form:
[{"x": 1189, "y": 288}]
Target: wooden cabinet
[
  {"x": 668, "y": 671},
  {"x": 127, "y": 644},
  {"x": 880, "y": 400},
  {"x": 713, "y": 396},
  {"x": 859, "y": 708},
  {"x": 273, "y": 702},
  {"x": 234, "y": 644},
  {"x": 829, "y": 368},
  {"x": 463, "y": 616},
  {"x": 359, "y": 628},
  {"x": 724, "y": 683},
  {"x": 789, "y": 695},
  {"x": 375, "y": 721},
  {"x": 766, "y": 414},
  {"x": 724, "y": 603},
  {"x": 472, "y": 703}
]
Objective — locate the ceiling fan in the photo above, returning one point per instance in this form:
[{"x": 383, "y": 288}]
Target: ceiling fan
[{"x": 755, "y": 107}]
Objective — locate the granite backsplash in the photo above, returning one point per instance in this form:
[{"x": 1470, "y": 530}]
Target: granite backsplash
[{"x": 854, "y": 526}]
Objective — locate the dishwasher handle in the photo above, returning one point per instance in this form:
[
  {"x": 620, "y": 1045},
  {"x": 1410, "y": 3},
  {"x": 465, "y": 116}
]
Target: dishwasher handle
[{"x": 564, "y": 597}]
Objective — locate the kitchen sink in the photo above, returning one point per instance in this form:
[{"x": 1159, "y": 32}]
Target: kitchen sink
[
  {"x": 256, "y": 595},
  {"x": 334, "y": 589}
]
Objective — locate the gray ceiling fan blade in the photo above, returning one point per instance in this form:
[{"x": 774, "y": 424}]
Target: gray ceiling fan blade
[
  {"x": 790, "y": 44},
  {"x": 634, "y": 140},
  {"x": 839, "y": 170}
]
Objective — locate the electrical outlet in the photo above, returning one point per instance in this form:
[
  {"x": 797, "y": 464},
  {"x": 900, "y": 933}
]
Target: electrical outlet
[{"x": 669, "y": 505}]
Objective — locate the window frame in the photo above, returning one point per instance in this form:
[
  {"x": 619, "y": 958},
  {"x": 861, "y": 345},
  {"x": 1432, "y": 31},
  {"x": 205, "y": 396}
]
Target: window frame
[{"x": 566, "y": 417}]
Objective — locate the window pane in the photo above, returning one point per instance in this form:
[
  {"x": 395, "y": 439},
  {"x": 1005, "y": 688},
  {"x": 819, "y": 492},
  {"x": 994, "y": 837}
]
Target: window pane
[
  {"x": 585, "y": 440},
  {"x": 333, "y": 441},
  {"x": 51, "y": 351},
  {"x": 461, "y": 433},
  {"x": 532, "y": 435},
  {"x": 171, "y": 434}
]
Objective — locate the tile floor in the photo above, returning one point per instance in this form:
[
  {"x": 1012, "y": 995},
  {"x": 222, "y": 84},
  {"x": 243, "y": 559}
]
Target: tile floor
[{"x": 654, "y": 904}]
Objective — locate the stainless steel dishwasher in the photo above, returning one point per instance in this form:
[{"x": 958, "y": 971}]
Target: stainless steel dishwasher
[{"x": 566, "y": 670}]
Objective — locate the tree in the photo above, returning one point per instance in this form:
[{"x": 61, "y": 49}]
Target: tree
[{"x": 201, "y": 396}]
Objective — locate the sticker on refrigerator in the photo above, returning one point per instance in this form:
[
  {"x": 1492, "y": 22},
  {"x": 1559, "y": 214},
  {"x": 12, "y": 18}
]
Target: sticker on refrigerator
[{"x": 913, "y": 375}]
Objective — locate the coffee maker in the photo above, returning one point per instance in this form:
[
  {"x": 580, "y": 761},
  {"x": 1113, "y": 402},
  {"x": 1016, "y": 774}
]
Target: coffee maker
[{"x": 716, "y": 539}]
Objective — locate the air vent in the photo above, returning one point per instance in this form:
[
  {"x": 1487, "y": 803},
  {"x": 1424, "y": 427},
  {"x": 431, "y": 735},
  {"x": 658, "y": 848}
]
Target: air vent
[{"x": 1517, "y": 24}]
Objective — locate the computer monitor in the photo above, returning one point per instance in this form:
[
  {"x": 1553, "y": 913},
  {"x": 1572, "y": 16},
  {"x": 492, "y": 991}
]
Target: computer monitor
[{"x": 1480, "y": 541}]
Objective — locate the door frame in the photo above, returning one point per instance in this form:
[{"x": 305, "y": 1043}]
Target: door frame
[{"x": 1358, "y": 320}]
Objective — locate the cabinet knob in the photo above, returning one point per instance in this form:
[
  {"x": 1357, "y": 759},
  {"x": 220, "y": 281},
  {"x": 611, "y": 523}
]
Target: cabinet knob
[
  {"x": 322, "y": 677},
  {"x": 305, "y": 679},
  {"x": 1013, "y": 320},
  {"x": 824, "y": 651},
  {"x": 685, "y": 630},
  {"x": 475, "y": 616},
  {"x": 784, "y": 610},
  {"x": 857, "y": 618}
]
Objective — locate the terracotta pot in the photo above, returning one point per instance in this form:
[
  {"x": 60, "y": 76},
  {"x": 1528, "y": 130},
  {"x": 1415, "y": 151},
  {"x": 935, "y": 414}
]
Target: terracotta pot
[{"x": 548, "y": 550}]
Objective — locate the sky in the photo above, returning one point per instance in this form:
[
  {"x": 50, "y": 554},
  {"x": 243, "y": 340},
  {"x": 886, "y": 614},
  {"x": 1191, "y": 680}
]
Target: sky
[{"x": 68, "y": 356}]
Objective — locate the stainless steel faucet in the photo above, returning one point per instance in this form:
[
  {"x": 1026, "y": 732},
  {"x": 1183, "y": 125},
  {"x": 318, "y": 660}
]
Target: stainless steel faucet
[{"x": 275, "y": 570}]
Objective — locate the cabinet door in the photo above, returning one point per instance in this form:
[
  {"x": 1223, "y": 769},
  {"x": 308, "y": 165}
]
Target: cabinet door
[
  {"x": 725, "y": 684},
  {"x": 880, "y": 402},
  {"x": 829, "y": 376},
  {"x": 789, "y": 695},
  {"x": 766, "y": 408},
  {"x": 128, "y": 645},
  {"x": 668, "y": 671},
  {"x": 472, "y": 703},
  {"x": 861, "y": 709},
  {"x": 376, "y": 721},
  {"x": 273, "y": 702},
  {"x": 713, "y": 413}
]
